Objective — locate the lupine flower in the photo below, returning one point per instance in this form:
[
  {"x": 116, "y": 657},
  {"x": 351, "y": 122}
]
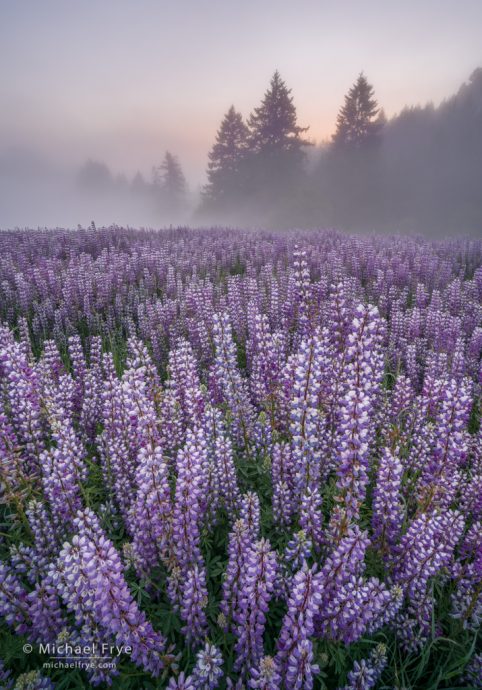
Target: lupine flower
[
  {"x": 356, "y": 427},
  {"x": 424, "y": 550},
  {"x": 150, "y": 514},
  {"x": 207, "y": 672},
  {"x": 426, "y": 547},
  {"x": 89, "y": 577},
  {"x": 473, "y": 672},
  {"x": 467, "y": 574},
  {"x": 182, "y": 682},
  {"x": 33, "y": 680},
  {"x": 298, "y": 549},
  {"x": 13, "y": 601},
  {"x": 266, "y": 676},
  {"x": 366, "y": 673},
  {"x": 293, "y": 658},
  {"x": 226, "y": 475},
  {"x": 229, "y": 380},
  {"x": 257, "y": 583},
  {"x": 300, "y": 667},
  {"x": 311, "y": 517},
  {"x": 438, "y": 484},
  {"x": 5, "y": 677},
  {"x": 387, "y": 515},
  {"x": 194, "y": 599},
  {"x": 305, "y": 415},
  {"x": 20, "y": 387},
  {"x": 189, "y": 499},
  {"x": 240, "y": 541},
  {"x": 283, "y": 482},
  {"x": 250, "y": 513}
]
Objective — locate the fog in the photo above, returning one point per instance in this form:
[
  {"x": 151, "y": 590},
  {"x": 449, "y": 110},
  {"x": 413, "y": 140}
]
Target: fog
[{"x": 423, "y": 176}]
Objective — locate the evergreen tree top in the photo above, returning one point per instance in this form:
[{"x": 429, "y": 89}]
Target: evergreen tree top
[
  {"x": 360, "y": 120},
  {"x": 231, "y": 140},
  {"x": 170, "y": 175},
  {"x": 273, "y": 125}
]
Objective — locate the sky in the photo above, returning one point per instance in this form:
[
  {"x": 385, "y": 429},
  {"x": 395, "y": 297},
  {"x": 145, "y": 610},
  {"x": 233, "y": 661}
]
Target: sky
[{"x": 124, "y": 80}]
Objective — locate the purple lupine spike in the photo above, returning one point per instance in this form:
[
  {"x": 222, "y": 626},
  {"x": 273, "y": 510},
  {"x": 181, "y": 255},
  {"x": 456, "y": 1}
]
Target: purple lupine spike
[
  {"x": 63, "y": 467},
  {"x": 79, "y": 368},
  {"x": 207, "y": 672},
  {"x": 46, "y": 540},
  {"x": 311, "y": 517},
  {"x": 367, "y": 672},
  {"x": 150, "y": 514},
  {"x": 388, "y": 514},
  {"x": 33, "y": 680},
  {"x": 250, "y": 513},
  {"x": 13, "y": 601},
  {"x": 21, "y": 390},
  {"x": 300, "y": 669},
  {"x": 226, "y": 476},
  {"x": 189, "y": 500},
  {"x": 194, "y": 599},
  {"x": 473, "y": 671},
  {"x": 240, "y": 542},
  {"x": 471, "y": 498},
  {"x": 282, "y": 479},
  {"x": 229, "y": 380},
  {"x": 12, "y": 470},
  {"x": 130, "y": 423},
  {"x": 305, "y": 413},
  {"x": 265, "y": 676},
  {"x": 94, "y": 588},
  {"x": 218, "y": 472},
  {"x": 467, "y": 575},
  {"x": 45, "y": 613},
  {"x": 356, "y": 429},
  {"x": 183, "y": 404},
  {"x": 61, "y": 486},
  {"x": 292, "y": 658},
  {"x": 182, "y": 682},
  {"x": 424, "y": 549},
  {"x": 25, "y": 340},
  {"x": 298, "y": 549},
  {"x": 5, "y": 677},
  {"x": 398, "y": 409},
  {"x": 437, "y": 486},
  {"x": 263, "y": 435},
  {"x": 357, "y": 606},
  {"x": 139, "y": 358},
  {"x": 268, "y": 357},
  {"x": 91, "y": 411},
  {"x": 257, "y": 586}
]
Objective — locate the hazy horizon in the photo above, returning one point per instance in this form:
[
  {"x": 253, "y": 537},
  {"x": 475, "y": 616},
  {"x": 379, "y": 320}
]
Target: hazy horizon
[{"x": 122, "y": 82}]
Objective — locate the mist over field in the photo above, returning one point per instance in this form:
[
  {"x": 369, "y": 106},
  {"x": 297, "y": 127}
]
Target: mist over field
[
  {"x": 358, "y": 118},
  {"x": 421, "y": 175}
]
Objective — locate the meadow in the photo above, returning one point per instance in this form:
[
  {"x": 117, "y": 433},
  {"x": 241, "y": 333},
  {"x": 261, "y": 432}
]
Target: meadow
[{"x": 239, "y": 460}]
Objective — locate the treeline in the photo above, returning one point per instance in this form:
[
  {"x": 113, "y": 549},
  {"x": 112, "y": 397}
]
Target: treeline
[
  {"x": 419, "y": 171},
  {"x": 165, "y": 194}
]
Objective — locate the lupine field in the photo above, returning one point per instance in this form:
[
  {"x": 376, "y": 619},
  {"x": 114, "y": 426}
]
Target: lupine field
[{"x": 245, "y": 460}]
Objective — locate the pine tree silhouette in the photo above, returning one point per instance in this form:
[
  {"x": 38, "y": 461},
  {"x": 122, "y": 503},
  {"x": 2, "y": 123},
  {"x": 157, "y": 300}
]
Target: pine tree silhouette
[
  {"x": 360, "y": 121},
  {"x": 172, "y": 178},
  {"x": 273, "y": 125},
  {"x": 225, "y": 167}
]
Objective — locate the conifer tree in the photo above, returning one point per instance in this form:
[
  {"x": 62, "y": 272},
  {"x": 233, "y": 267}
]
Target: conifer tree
[
  {"x": 225, "y": 167},
  {"x": 273, "y": 125},
  {"x": 360, "y": 121},
  {"x": 171, "y": 179}
]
